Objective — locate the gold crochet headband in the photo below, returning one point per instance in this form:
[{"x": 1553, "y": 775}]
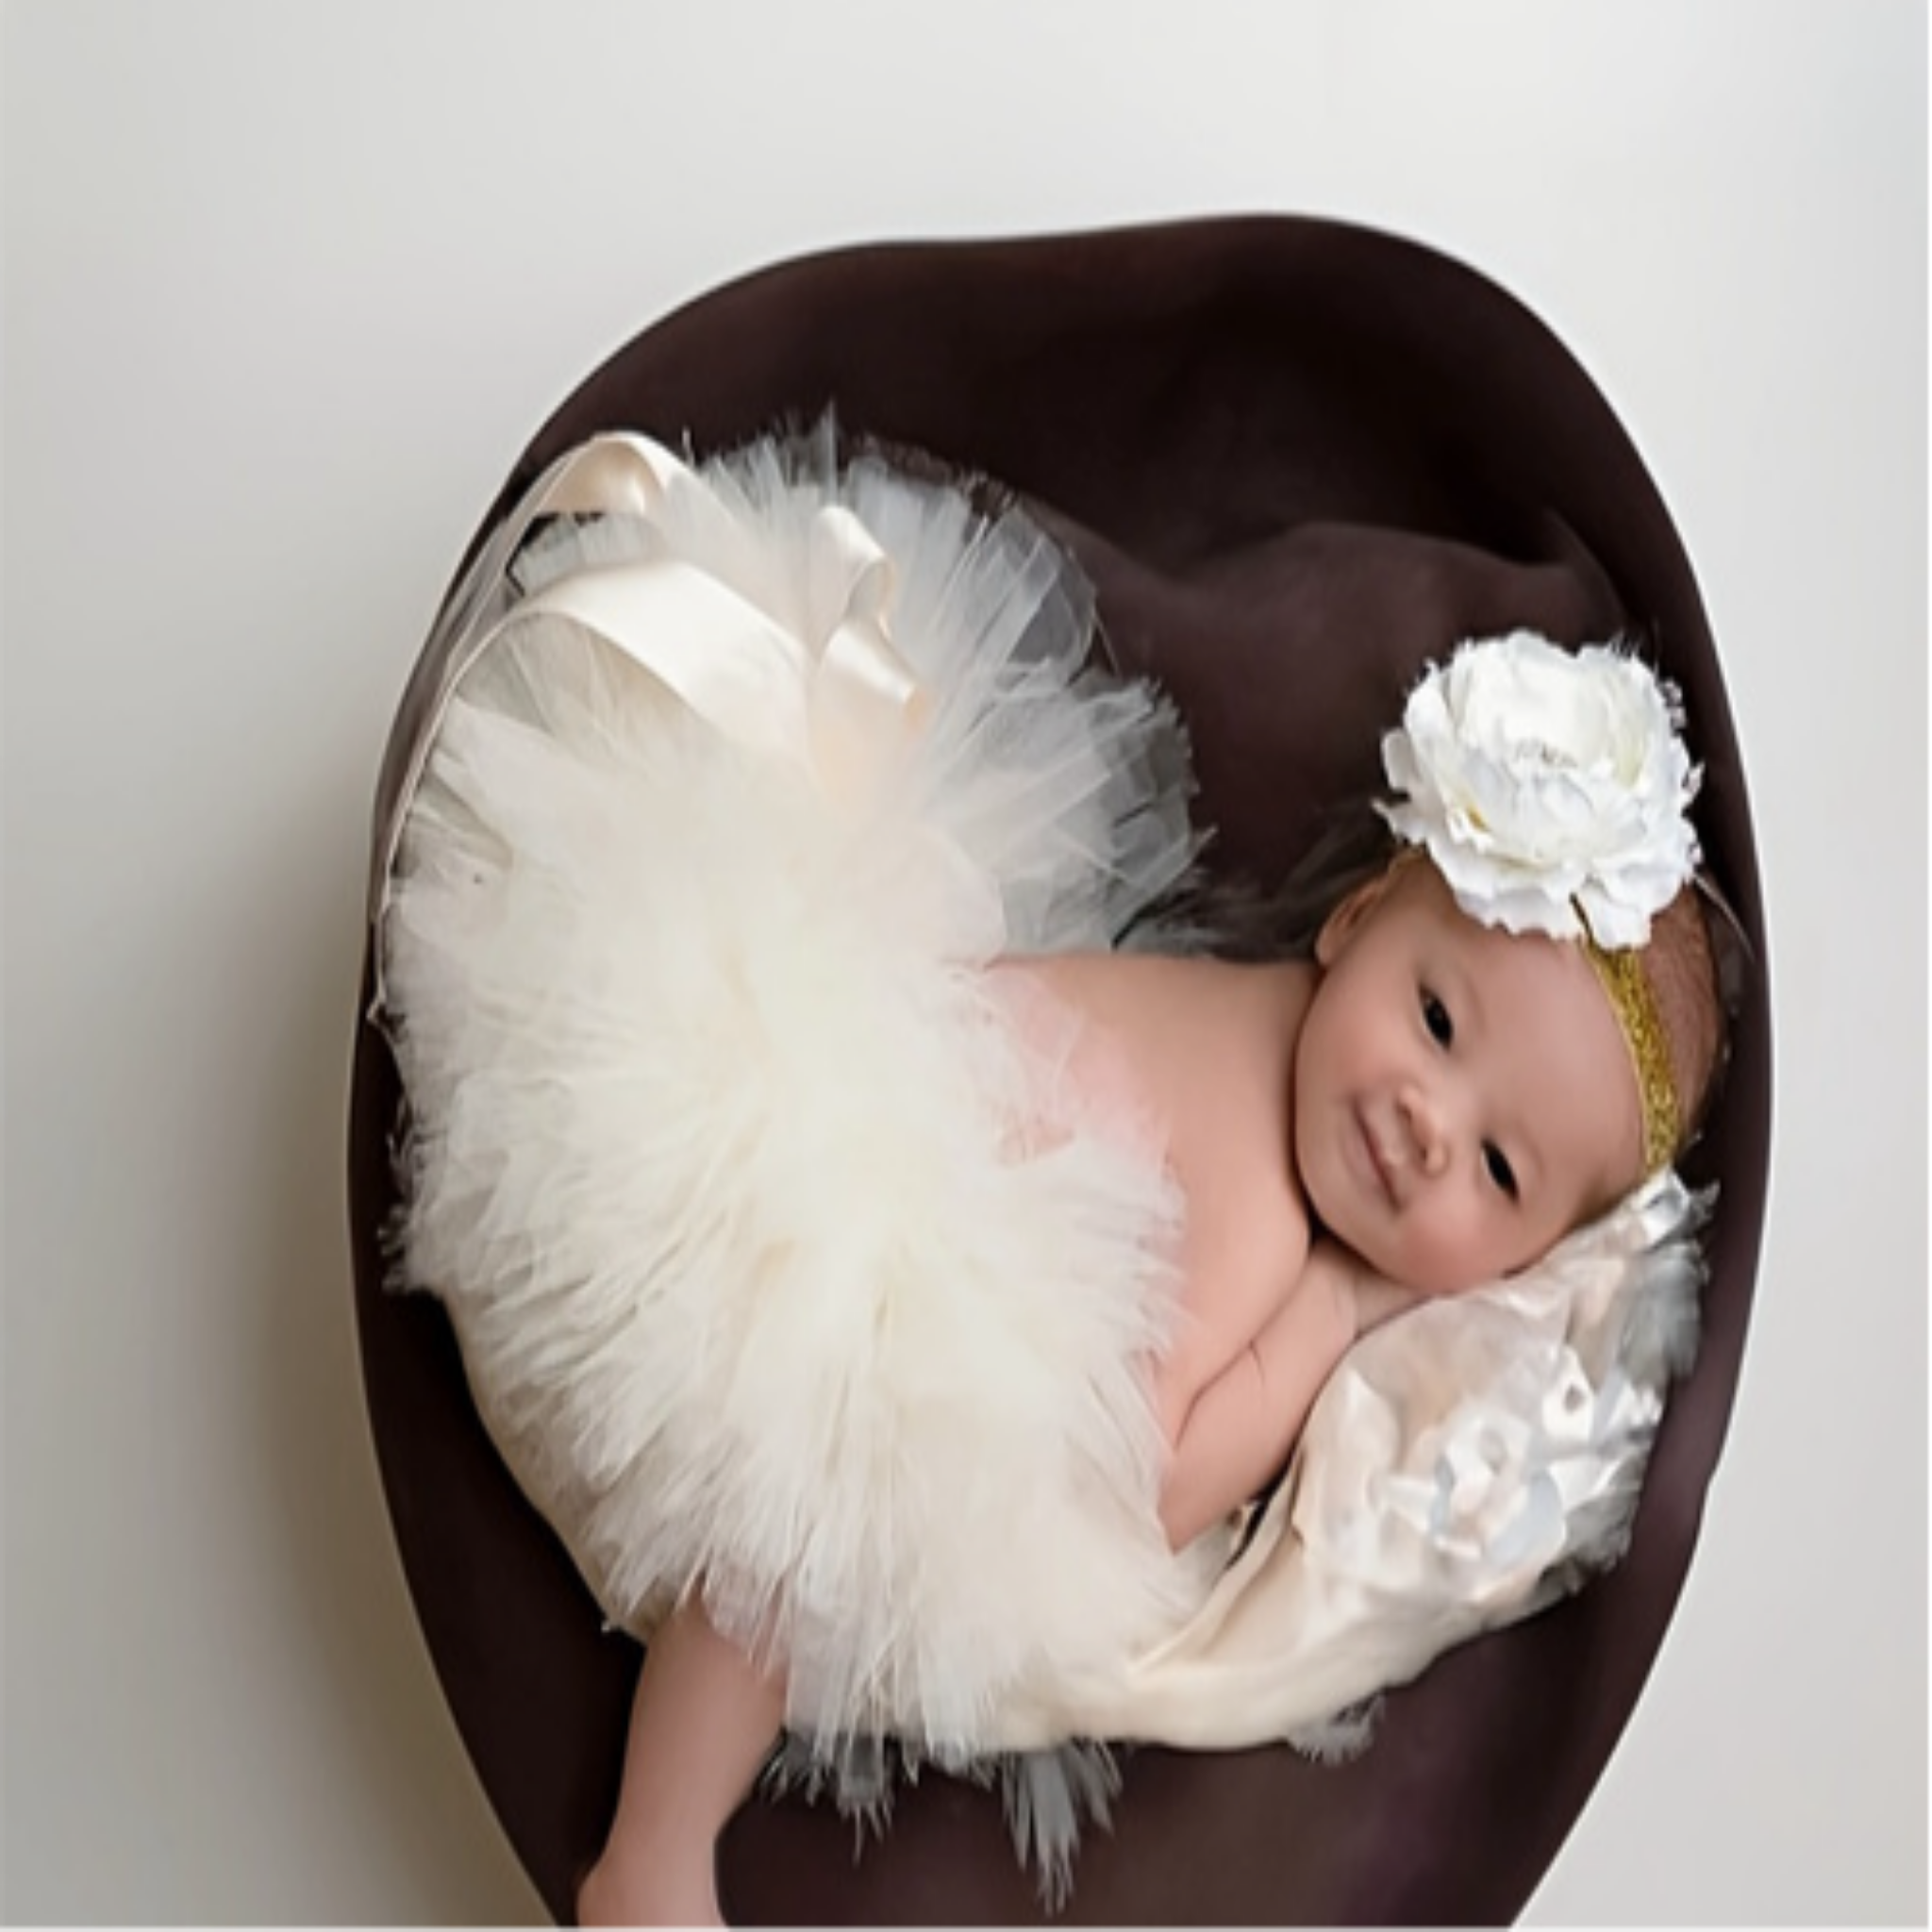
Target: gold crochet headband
[{"x": 1627, "y": 986}]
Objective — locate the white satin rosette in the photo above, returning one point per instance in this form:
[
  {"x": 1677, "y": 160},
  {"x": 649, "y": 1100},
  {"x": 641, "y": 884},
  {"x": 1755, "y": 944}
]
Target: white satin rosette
[{"x": 1550, "y": 787}]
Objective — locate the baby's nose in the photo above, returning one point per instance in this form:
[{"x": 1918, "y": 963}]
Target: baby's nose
[{"x": 1427, "y": 1129}]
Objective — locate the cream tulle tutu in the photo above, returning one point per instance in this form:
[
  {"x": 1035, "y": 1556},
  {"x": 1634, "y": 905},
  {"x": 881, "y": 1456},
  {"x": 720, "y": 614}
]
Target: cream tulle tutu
[{"x": 786, "y": 1263}]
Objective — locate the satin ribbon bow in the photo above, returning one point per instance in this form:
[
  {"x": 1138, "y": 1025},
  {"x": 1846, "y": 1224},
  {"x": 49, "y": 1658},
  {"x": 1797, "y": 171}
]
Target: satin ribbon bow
[{"x": 830, "y": 690}]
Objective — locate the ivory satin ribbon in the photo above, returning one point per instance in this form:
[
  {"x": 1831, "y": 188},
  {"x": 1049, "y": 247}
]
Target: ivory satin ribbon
[{"x": 836, "y": 694}]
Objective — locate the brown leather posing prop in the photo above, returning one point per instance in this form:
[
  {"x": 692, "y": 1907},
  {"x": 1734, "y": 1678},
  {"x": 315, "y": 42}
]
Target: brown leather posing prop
[{"x": 1299, "y": 460}]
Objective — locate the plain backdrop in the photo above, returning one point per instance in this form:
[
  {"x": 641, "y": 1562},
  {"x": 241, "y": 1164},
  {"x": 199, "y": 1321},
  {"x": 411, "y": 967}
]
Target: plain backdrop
[{"x": 288, "y": 284}]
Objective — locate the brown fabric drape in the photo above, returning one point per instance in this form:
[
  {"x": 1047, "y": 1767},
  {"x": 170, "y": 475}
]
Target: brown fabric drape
[{"x": 1298, "y": 459}]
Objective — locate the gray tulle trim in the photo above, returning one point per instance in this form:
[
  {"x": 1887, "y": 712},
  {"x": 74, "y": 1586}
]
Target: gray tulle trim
[{"x": 1048, "y": 1796}]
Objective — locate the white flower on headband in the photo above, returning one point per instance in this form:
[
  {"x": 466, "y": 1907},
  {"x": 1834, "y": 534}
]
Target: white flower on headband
[{"x": 1550, "y": 787}]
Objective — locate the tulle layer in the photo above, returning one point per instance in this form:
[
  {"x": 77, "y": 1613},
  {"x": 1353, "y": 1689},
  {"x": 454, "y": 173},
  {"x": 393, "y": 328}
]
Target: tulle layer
[{"x": 785, "y": 1263}]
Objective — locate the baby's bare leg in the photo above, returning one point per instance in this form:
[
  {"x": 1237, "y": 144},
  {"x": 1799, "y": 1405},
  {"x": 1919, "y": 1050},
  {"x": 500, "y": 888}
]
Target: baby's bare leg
[{"x": 702, "y": 1723}]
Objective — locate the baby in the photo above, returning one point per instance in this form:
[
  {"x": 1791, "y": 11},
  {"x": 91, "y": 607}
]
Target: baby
[
  {"x": 832, "y": 1215},
  {"x": 1429, "y": 1105}
]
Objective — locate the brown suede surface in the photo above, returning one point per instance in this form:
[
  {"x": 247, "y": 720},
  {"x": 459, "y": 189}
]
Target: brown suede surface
[{"x": 1299, "y": 459}]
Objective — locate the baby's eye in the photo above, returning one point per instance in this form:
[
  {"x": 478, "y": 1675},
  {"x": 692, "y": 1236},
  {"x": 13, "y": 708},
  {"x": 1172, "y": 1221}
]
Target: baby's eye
[
  {"x": 1497, "y": 1162},
  {"x": 1435, "y": 1018}
]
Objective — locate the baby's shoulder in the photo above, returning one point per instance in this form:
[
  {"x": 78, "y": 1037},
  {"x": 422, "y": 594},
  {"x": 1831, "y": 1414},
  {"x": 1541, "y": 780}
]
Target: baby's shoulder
[
  {"x": 1205, "y": 1049},
  {"x": 1157, "y": 1001},
  {"x": 1208, "y": 1044}
]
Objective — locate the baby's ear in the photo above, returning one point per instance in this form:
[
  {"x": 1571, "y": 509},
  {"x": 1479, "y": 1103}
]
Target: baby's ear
[{"x": 1342, "y": 923}]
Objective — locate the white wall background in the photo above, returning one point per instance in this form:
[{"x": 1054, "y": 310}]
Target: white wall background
[{"x": 286, "y": 288}]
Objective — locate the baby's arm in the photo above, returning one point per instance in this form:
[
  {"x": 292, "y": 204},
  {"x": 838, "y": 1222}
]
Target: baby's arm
[{"x": 1239, "y": 1428}]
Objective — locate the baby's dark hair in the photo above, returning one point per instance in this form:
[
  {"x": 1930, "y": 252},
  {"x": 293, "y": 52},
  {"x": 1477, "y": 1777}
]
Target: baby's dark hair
[{"x": 1237, "y": 917}]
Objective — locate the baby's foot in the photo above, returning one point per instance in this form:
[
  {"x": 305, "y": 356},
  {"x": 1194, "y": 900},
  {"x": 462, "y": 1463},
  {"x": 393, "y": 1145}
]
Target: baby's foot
[{"x": 647, "y": 1893}]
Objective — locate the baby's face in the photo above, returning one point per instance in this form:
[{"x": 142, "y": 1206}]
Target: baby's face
[{"x": 1463, "y": 1097}]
